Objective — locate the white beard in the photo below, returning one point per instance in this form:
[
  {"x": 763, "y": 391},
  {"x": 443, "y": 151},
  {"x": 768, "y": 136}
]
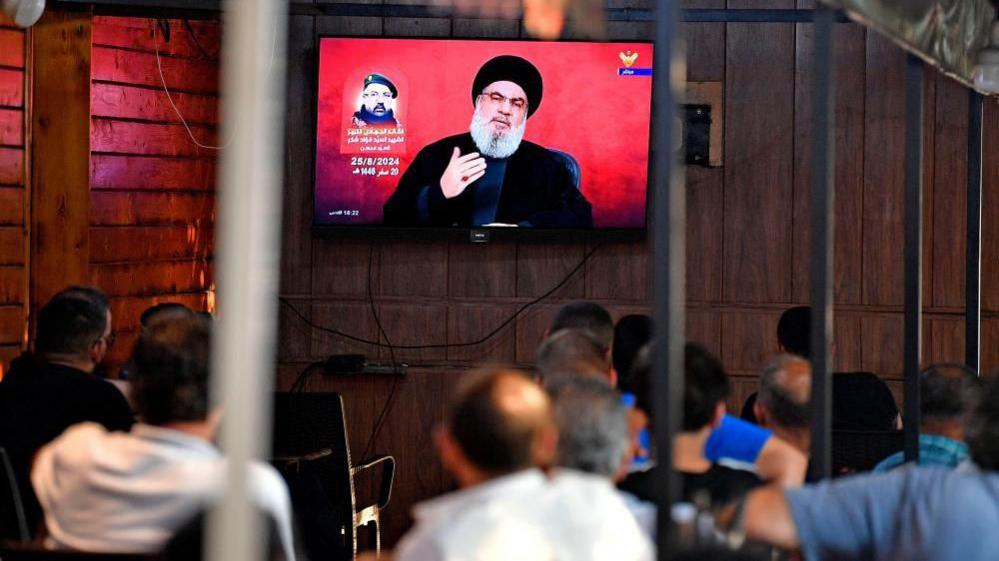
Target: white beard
[{"x": 495, "y": 144}]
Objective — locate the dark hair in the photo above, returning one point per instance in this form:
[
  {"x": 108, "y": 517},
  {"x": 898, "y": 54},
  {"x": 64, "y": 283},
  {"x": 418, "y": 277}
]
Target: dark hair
[
  {"x": 171, "y": 309},
  {"x": 494, "y": 438},
  {"x": 794, "y": 331},
  {"x": 585, "y": 315},
  {"x": 948, "y": 392},
  {"x": 983, "y": 429},
  {"x": 170, "y": 382},
  {"x": 572, "y": 352},
  {"x": 592, "y": 425},
  {"x": 72, "y": 321},
  {"x": 787, "y": 410},
  {"x": 705, "y": 384},
  {"x": 630, "y": 334}
]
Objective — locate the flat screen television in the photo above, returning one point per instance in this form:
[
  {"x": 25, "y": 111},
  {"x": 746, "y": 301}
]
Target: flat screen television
[{"x": 482, "y": 134}]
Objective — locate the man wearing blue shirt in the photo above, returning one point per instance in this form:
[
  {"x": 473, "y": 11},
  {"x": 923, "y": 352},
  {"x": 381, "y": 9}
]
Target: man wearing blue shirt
[{"x": 915, "y": 513}]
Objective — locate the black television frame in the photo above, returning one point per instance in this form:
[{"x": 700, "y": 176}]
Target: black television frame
[{"x": 469, "y": 234}]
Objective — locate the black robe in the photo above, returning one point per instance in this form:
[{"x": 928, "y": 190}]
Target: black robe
[{"x": 538, "y": 190}]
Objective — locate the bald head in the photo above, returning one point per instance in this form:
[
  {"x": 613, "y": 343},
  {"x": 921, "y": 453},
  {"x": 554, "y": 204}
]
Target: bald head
[
  {"x": 497, "y": 417},
  {"x": 786, "y": 391},
  {"x": 573, "y": 352}
]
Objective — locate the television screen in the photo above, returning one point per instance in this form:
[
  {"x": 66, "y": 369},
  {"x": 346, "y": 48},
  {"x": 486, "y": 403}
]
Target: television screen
[{"x": 473, "y": 133}]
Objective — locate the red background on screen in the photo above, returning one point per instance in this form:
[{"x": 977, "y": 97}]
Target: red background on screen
[{"x": 587, "y": 110}]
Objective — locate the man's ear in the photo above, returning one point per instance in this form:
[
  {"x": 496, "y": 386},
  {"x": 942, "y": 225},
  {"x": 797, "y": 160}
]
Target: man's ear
[
  {"x": 612, "y": 376},
  {"x": 719, "y": 414},
  {"x": 760, "y": 413}
]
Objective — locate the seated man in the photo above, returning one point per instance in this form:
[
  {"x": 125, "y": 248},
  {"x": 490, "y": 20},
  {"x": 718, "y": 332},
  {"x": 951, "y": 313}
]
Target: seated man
[
  {"x": 497, "y": 429},
  {"x": 129, "y": 492},
  {"x": 915, "y": 513},
  {"x": 785, "y": 400},
  {"x": 706, "y": 388},
  {"x": 948, "y": 395},
  {"x": 55, "y": 388}
]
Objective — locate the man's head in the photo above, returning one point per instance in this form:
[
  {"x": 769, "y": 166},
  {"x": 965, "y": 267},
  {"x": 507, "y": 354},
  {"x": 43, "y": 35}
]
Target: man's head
[
  {"x": 706, "y": 388},
  {"x": 983, "y": 429},
  {"x": 794, "y": 331},
  {"x": 163, "y": 310},
  {"x": 948, "y": 395},
  {"x": 506, "y": 91},
  {"x": 498, "y": 422},
  {"x": 75, "y": 327},
  {"x": 592, "y": 426},
  {"x": 785, "y": 394},
  {"x": 574, "y": 353},
  {"x": 588, "y": 316},
  {"x": 378, "y": 96},
  {"x": 172, "y": 359},
  {"x": 630, "y": 334}
]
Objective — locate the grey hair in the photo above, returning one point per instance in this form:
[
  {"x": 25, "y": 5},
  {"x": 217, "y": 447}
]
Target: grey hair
[
  {"x": 787, "y": 409},
  {"x": 592, "y": 423}
]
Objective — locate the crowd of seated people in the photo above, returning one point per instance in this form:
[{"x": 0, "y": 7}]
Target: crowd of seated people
[{"x": 559, "y": 465}]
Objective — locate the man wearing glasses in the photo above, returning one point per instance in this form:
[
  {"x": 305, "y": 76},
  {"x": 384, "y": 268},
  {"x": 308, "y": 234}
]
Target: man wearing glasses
[
  {"x": 377, "y": 103},
  {"x": 490, "y": 176}
]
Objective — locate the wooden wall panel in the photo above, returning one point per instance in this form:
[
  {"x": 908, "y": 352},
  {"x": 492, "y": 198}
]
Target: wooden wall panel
[
  {"x": 469, "y": 322},
  {"x": 759, "y": 92},
  {"x": 881, "y": 344},
  {"x": 482, "y": 270},
  {"x": 11, "y": 325},
  {"x": 152, "y": 206},
  {"x": 354, "y": 318},
  {"x": 541, "y": 267},
  {"x": 619, "y": 272},
  {"x": 11, "y": 206},
  {"x": 748, "y": 340},
  {"x": 12, "y": 283},
  {"x": 949, "y": 197},
  {"x": 412, "y": 268},
  {"x": 705, "y": 234},
  {"x": 341, "y": 267},
  {"x": 990, "y": 201},
  {"x": 14, "y": 218}
]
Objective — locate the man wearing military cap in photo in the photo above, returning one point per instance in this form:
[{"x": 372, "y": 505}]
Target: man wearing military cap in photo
[
  {"x": 490, "y": 176},
  {"x": 377, "y": 103}
]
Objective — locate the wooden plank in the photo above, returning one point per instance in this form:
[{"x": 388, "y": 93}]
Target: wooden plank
[
  {"x": 413, "y": 324},
  {"x": 406, "y": 268},
  {"x": 705, "y": 51},
  {"x": 758, "y": 172},
  {"x": 60, "y": 143},
  {"x": 542, "y": 266},
  {"x": 990, "y": 228},
  {"x": 704, "y": 327},
  {"x": 147, "y": 208},
  {"x": 881, "y": 340},
  {"x": 12, "y": 127},
  {"x": 11, "y": 324},
  {"x": 11, "y": 87},
  {"x": 470, "y": 322},
  {"x": 11, "y": 206},
  {"x": 945, "y": 337},
  {"x": 884, "y": 175},
  {"x": 112, "y": 100},
  {"x": 948, "y": 229},
  {"x": 748, "y": 339},
  {"x": 296, "y": 233},
  {"x": 294, "y": 335},
  {"x": 151, "y": 139},
  {"x": 353, "y": 318},
  {"x": 136, "y": 68},
  {"x": 849, "y": 179},
  {"x": 482, "y": 270},
  {"x": 531, "y": 328},
  {"x": 846, "y": 342},
  {"x": 620, "y": 272},
  {"x": 7, "y": 354},
  {"x": 127, "y": 311},
  {"x": 146, "y": 243},
  {"x": 150, "y": 279},
  {"x": 705, "y": 233},
  {"x": 138, "y": 34},
  {"x": 990, "y": 353},
  {"x": 11, "y": 245},
  {"x": 109, "y": 171},
  {"x": 12, "y": 285},
  {"x": 341, "y": 268},
  {"x": 11, "y": 166},
  {"x": 12, "y": 48}
]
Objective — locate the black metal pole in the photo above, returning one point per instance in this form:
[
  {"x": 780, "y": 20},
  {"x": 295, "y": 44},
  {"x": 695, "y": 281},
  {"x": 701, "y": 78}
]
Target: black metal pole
[
  {"x": 913, "y": 250},
  {"x": 823, "y": 191},
  {"x": 668, "y": 272},
  {"x": 973, "y": 269}
]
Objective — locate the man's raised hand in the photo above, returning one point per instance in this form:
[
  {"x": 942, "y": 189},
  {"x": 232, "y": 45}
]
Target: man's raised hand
[{"x": 460, "y": 172}]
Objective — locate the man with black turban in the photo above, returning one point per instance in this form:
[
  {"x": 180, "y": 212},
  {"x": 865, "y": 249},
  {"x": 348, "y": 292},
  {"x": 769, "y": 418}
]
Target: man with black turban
[
  {"x": 490, "y": 175},
  {"x": 377, "y": 103}
]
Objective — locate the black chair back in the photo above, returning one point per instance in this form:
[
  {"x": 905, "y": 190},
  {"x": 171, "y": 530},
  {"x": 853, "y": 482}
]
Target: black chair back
[{"x": 13, "y": 524}]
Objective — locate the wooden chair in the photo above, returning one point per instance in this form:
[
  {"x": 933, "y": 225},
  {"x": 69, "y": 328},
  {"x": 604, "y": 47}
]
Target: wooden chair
[
  {"x": 13, "y": 524},
  {"x": 312, "y": 450}
]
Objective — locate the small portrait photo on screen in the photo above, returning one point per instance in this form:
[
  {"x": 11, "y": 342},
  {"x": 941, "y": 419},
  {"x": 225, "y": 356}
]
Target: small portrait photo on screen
[{"x": 458, "y": 134}]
